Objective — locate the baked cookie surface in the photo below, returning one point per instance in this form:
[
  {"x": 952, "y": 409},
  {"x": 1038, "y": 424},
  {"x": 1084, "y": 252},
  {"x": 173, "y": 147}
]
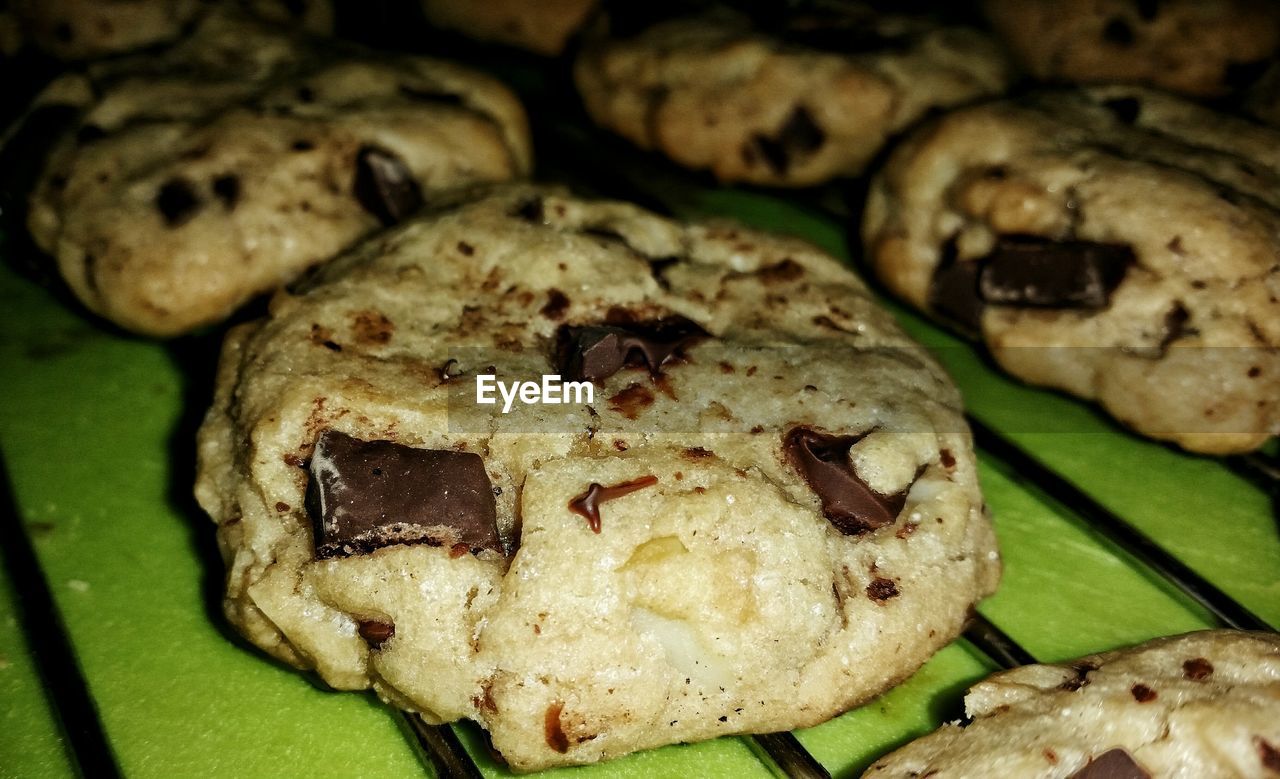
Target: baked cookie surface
[
  {"x": 1116, "y": 243},
  {"x": 767, "y": 513},
  {"x": 1203, "y": 704},
  {"x": 82, "y": 29},
  {"x": 196, "y": 178},
  {"x": 1188, "y": 46},
  {"x": 544, "y": 27},
  {"x": 786, "y": 102}
]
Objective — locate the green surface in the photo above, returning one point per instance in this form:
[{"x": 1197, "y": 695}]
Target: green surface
[
  {"x": 30, "y": 743},
  {"x": 97, "y": 432}
]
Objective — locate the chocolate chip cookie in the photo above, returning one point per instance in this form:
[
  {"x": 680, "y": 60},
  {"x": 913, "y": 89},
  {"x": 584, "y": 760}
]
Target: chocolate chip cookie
[
  {"x": 197, "y": 178},
  {"x": 764, "y": 511},
  {"x": 544, "y": 27},
  {"x": 83, "y": 29},
  {"x": 1116, "y": 243},
  {"x": 786, "y": 101},
  {"x": 1188, "y": 46},
  {"x": 1197, "y": 705}
]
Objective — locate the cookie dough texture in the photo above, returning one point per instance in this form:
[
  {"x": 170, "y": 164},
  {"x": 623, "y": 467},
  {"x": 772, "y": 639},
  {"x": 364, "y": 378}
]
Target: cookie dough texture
[
  {"x": 543, "y": 27},
  {"x": 1198, "y": 48},
  {"x": 788, "y": 104},
  {"x": 1185, "y": 347},
  {"x": 197, "y": 178},
  {"x": 1203, "y": 704},
  {"x": 84, "y": 29},
  {"x": 719, "y": 600}
]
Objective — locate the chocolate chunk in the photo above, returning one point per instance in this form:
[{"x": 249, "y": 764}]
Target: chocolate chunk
[
  {"x": 1126, "y": 109},
  {"x": 376, "y": 632},
  {"x": 1239, "y": 75},
  {"x": 953, "y": 292},
  {"x": 1267, "y": 754},
  {"x": 385, "y": 186},
  {"x": 596, "y": 352},
  {"x": 1118, "y": 32},
  {"x": 557, "y": 303},
  {"x": 556, "y": 739},
  {"x": 1030, "y": 271},
  {"x": 227, "y": 188},
  {"x": 1197, "y": 668},
  {"x": 847, "y": 502},
  {"x": 364, "y": 495},
  {"x": 798, "y": 136},
  {"x": 1142, "y": 693},
  {"x": 588, "y": 503},
  {"x": 881, "y": 589},
  {"x": 177, "y": 202},
  {"x": 1112, "y": 764}
]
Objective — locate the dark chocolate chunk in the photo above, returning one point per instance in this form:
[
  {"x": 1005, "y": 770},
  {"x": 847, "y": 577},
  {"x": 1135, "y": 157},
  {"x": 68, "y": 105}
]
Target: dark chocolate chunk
[
  {"x": 364, "y": 495},
  {"x": 375, "y": 631},
  {"x": 1239, "y": 75},
  {"x": 1126, "y": 109},
  {"x": 1267, "y": 754},
  {"x": 596, "y": 352},
  {"x": 556, "y": 739},
  {"x": 953, "y": 292},
  {"x": 1197, "y": 669},
  {"x": 385, "y": 186},
  {"x": 588, "y": 503},
  {"x": 557, "y": 303},
  {"x": 798, "y": 136},
  {"x": 881, "y": 589},
  {"x": 1142, "y": 693},
  {"x": 177, "y": 201},
  {"x": 227, "y": 188},
  {"x": 1031, "y": 271},
  {"x": 1112, "y": 764},
  {"x": 1118, "y": 31},
  {"x": 847, "y": 502}
]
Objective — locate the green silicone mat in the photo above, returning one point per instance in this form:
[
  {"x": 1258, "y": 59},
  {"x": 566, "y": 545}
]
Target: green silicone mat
[{"x": 96, "y": 432}]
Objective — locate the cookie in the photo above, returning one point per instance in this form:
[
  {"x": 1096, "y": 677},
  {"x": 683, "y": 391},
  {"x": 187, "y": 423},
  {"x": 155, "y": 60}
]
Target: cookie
[
  {"x": 765, "y": 512},
  {"x": 544, "y": 27},
  {"x": 790, "y": 101},
  {"x": 84, "y": 29},
  {"x": 1196, "y": 48},
  {"x": 1262, "y": 99},
  {"x": 1197, "y": 705},
  {"x": 1116, "y": 243},
  {"x": 222, "y": 168}
]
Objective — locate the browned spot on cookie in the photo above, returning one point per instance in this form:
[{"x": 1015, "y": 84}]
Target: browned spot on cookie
[
  {"x": 631, "y": 401},
  {"x": 466, "y": 248},
  {"x": 484, "y": 702},
  {"x": 726, "y": 367},
  {"x": 1051, "y": 756},
  {"x": 1254, "y": 372},
  {"x": 1197, "y": 668},
  {"x": 376, "y": 632},
  {"x": 281, "y": 506},
  {"x": 371, "y": 328},
  {"x": 907, "y": 529},
  {"x": 697, "y": 453},
  {"x": 947, "y": 459},
  {"x": 556, "y": 738},
  {"x": 323, "y": 336},
  {"x": 782, "y": 272},
  {"x": 1081, "y": 678},
  {"x": 1142, "y": 693},
  {"x": 881, "y": 589},
  {"x": 620, "y": 445},
  {"x": 557, "y": 303}
]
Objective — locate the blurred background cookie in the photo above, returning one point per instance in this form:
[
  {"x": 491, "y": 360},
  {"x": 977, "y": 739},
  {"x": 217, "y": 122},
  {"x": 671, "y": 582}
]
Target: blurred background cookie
[{"x": 543, "y": 27}]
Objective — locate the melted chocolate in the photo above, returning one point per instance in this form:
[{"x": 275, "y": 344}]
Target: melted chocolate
[
  {"x": 588, "y": 503},
  {"x": 365, "y": 495},
  {"x": 847, "y": 502},
  {"x": 385, "y": 186},
  {"x": 1112, "y": 764},
  {"x": 596, "y": 352}
]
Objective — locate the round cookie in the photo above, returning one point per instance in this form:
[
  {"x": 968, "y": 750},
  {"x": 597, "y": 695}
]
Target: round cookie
[
  {"x": 1116, "y": 243},
  {"x": 1198, "y": 705},
  {"x": 84, "y": 29},
  {"x": 767, "y": 511},
  {"x": 223, "y": 167},
  {"x": 544, "y": 27},
  {"x": 791, "y": 101},
  {"x": 1189, "y": 46}
]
